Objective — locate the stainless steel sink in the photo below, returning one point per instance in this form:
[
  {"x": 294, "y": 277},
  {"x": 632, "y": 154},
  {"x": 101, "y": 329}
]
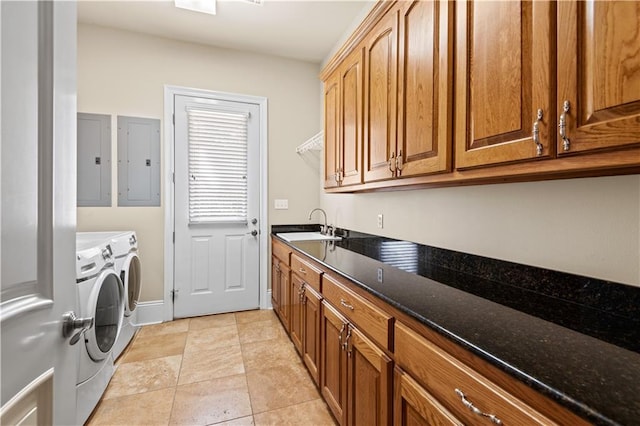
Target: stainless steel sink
[{"x": 306, "y": 236}]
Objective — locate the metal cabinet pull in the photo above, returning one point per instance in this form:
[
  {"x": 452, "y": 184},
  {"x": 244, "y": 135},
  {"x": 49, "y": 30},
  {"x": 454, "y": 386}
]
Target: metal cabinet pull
[
  {"x": 392, "y": 163},
  {"x": 341, "y": 331},
  {"x": 302, "y": 271},
  {"x": 399, "y": 164},
  {"x": 475, "y": 409},
  {"x": 536, "y": 133},
  {"x": 345, "y": 345},
  {"x": 345, "y": 304},
  {"x": 562, "y": 126}
]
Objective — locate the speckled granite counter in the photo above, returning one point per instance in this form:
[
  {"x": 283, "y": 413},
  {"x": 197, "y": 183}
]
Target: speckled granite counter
[{"x": 574, "y": 339}]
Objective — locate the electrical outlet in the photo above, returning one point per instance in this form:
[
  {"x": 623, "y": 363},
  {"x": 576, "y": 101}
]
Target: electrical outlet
[
  {"x": 380, "y": 221},
  {"x": 281, "y": 204},
  {"x": 380, "y": 275}
]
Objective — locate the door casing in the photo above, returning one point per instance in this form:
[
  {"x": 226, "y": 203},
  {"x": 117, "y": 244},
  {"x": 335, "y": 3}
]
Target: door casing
[{"x": 169, "y": 94}]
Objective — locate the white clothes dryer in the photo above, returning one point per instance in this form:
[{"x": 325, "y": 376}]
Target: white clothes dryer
[
  {"x": 100, "y": 296},
  {"x": 127, "y": 264}
]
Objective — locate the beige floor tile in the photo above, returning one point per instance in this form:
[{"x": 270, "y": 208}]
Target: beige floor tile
[
  {"x": 220, "y": 320},
  {"x": 144, "y": 376},
  {"x": 314, "y": 413},
  {"x": 149, "y": 408},
  {"x": 244, "y": 421},
  {"x": 151, "y": 347},
  {"x": 211, "y": 401},
  {"x": 260, "y": 330},
  {"x": 267, "y": 354},
  {"x": 212, "y": 364},
  {"x": 280, "y": 387},
  {"x": 212, "y": 338},
  {"x": 177, "y": 326},
  {"x": 256, "y": 315}
]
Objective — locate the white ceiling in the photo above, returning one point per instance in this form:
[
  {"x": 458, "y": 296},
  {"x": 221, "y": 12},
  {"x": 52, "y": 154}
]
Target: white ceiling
[{"x": 299, "y": 29}]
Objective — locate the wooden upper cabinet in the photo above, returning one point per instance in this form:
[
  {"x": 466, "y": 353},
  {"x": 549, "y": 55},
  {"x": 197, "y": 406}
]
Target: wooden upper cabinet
[
  {"x": 331, "y": 130},
  {"x": 503, "y": 79},
  {"x": 598, "y": 74},
  {"x": 350, "y": 151},
  {"x": 381, "y": 59},
  {"x": 425, "y": 87}
]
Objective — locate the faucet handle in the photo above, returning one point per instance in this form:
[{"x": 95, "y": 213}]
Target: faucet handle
[{"x": 330, "y": 230}]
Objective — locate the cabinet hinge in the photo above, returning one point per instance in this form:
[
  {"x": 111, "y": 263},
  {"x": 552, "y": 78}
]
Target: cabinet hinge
[
  {"x": 174, "y": 119},
  {"x": 173, "y": 177},
  {"x": 174, "y": 237}
]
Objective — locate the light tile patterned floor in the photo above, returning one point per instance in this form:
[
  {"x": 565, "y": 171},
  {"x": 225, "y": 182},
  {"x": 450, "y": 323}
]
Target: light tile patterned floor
[{"x": 229, "y": 369}]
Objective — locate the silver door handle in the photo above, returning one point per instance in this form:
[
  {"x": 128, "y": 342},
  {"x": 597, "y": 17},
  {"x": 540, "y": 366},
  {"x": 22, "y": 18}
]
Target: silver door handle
[
  {"x": 71, "y": 323},
  {"x": 253, "y": 233}
]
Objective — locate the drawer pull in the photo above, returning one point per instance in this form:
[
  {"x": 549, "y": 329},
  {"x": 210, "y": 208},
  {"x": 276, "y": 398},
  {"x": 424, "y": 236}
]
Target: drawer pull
[
  {"x": 476, "y": 410},
  {"x": 302, "y": 271},
  {"x": 345, "y": 304}
]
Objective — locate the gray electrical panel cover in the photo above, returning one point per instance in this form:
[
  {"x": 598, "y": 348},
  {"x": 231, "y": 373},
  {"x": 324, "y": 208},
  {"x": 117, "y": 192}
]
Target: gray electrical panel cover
[
  {"x": 138, "y": 161},
  {"x": 94, "y": 160}
]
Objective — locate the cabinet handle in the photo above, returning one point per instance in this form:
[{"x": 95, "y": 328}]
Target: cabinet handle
[
  {"x": 340, "y": 335},
  {"x": 536, "y": 133},
  {"x": 392, "y": 163},
  {"x": 562, "y": 126},
  {"x": 302, "y": 271},
  {"x": 345, "y": 345},
  {"x": 399, "y": 164},
  {"x": 475, "y": 409},
  {"x": 345, "y": 304}
]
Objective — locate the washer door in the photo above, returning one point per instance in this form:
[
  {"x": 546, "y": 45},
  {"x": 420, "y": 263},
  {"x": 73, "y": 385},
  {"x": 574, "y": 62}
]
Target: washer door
[
  {"x": 130, "y": 276},
  {"x": 106, "y": 305}
]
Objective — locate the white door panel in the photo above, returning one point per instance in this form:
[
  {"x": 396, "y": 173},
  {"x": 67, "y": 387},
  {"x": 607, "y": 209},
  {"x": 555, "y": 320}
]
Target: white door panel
[
  {"x": 217, "y": 261},
  {"x": 38, "y": 157}
]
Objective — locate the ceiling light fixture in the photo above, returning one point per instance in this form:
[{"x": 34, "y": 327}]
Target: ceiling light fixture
[{"x": 203, "y": 6}]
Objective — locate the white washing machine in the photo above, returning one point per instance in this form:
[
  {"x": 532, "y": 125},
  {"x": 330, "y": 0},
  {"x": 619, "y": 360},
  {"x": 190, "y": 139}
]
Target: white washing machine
[
  {"x": 127, "y": 264},
  {"x": 100, "y": 296}
]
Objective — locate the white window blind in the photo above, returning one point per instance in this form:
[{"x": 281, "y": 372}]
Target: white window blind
[{"x": 217, "y": 165}]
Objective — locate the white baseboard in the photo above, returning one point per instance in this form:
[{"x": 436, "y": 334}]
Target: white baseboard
[{"x": 149, "y": 312}]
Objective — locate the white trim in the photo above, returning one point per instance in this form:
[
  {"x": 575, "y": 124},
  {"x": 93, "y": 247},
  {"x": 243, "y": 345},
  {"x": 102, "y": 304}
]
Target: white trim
[
  {"x": 169, "y": 94},
  {"x": 149, "y": 312}
]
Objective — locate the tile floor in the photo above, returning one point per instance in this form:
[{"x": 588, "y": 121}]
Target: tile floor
[{"x": 229, "y": 369}]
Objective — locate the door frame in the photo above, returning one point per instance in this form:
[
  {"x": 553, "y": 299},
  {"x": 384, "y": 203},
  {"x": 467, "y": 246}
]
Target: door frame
[{"x": 169, "y": 154}]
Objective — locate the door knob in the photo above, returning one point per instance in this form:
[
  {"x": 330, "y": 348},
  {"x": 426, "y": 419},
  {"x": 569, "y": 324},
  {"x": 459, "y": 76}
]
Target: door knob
[
  {"x": 70, "y": 323},
  {"x": 254, "y": 221},
  {"x": 253, "y": 233}
]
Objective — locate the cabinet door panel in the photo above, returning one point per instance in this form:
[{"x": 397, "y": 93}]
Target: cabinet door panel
[
  {"x": 425, "y": 87},
  {"x": 275, "y": 284},
  {"x": 285, "y": 296},
  {"x": 333, "y": 371},
  {"x": 380, "y": 98},
  {"x": 297, "y": 289},
  {"x": 503, "y": 78},
  {"x": 414, "y": 406},
  {"x": 311, "y": 332},
  {"x": 370, "y": 391},
  {"x": 331, "y": 130},
  {"x": 350, "y": 155},
  {"x": 599, "y": 74}
]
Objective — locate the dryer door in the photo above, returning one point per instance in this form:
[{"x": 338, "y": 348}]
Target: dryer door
[
  {"x": 106, "y": 305},
  {"x": 130, "y": 276}
]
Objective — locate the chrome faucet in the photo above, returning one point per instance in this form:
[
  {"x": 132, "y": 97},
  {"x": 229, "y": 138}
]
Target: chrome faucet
[{"x": 323, "y": 230}]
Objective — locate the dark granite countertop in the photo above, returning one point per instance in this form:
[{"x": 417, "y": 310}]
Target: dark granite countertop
[{"x": 575, "y": 339}]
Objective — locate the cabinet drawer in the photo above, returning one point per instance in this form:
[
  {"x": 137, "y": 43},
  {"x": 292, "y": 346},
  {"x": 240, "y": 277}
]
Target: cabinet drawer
[
  {"x": 366, "y": 316},
  {"x": 305, "y": 270},
  {"x": 281, "y": 251},
  {"x": 457, "y": 386}
]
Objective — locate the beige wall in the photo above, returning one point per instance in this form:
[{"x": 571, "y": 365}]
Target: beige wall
[
  {"x": 585, "y": 226},
  {"x": 123, "y": 73}
]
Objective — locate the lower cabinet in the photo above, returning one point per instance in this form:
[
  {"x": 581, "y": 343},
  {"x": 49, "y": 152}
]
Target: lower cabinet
[
  {"x": 356, "y": 376},
  {"x": 311, "y": 332},
  {"x": 414, "y": 406},
  {"x": 297, "y": 323},
  {"x": 280, "y": 291}
]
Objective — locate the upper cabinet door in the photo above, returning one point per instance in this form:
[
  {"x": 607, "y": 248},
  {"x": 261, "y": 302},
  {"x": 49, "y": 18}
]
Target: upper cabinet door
[
  {"x": 503, "y": 71},
  {"x": 598, "y": 75},
  {"x": 381, "y": 59},
  {"x": 425, "y": 87},
  {"x": 331, "y": 130},
  {"x": 350, "y": 152}
]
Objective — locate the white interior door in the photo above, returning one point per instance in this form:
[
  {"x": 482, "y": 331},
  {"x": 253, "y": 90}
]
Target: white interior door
[
  {"x": 217, "y": 200},
  {"x": 38, "y": 207}
]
